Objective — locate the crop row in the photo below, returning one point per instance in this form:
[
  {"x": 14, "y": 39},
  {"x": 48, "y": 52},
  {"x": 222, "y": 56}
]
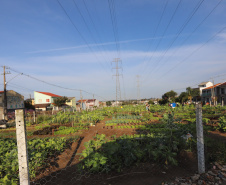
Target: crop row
[{"x": 40, "y": 151}]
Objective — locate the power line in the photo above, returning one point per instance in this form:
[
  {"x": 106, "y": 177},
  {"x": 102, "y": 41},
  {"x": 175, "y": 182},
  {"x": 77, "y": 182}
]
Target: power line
[
  {"x": 160, "y": 20},
  {"x": 181, "y": 30},
  {"x": 222, "y": 29},
  {"x": 163, "y": 34},
  {"x": 88, "y": 28},
  {"x": 114, "y": 24},
  {"x": 78, "y": 31},
  {"x": 186, "y": 39},
  {"x": 98, "y": 34},
  {"x": 54, "y": 85}
]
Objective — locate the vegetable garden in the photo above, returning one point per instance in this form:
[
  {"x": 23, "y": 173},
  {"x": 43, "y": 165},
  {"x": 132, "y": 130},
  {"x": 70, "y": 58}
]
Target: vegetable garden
[{"x": 112, "y": 140}]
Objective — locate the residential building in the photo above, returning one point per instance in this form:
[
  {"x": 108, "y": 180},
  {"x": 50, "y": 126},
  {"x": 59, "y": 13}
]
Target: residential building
[
  {"x": 14, "y": 101},
  {"x": 103, "y": 104},
  {"x": 214, "y": 94},
  {"x": 71, "y": 102},
  {"x": 204, "y": 85},
  {"x": 44, "y": 100},
  {"x": 89, "y": 104}
]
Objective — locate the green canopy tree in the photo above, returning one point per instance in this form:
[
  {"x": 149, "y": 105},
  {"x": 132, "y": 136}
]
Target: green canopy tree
[
  {"x": 183, "y": 97},
  {"x": 168, "y": 96},
  {"x": 192, "y": 93},
  {"x": 60, "y": 101}
]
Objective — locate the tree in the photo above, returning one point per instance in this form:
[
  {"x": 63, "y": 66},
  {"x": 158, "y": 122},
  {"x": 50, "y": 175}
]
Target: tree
[
  {"x": 108, "y": 103},
  {"x": 28, "y": 104},
  {"x": 60, "y": 101},
  {"x": 169, "y": 96},
  {"x": 183, "y": 97},
  {"x": 150, "y": 102},
  {"x": 192, "y": 93}
]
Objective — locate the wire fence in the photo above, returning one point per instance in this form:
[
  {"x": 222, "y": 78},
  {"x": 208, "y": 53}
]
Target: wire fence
[{"x": 126, "y": 145}]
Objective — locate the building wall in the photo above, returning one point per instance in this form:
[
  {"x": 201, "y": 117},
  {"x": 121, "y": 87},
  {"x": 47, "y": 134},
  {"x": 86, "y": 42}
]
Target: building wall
[
  {"x": 219, "y": 92},
  {"x": 14, "y": 101},
  {"x": 208, "y": 84},
  {"x": 40, "y": 98},
  {"x": 72, "y": 102}
]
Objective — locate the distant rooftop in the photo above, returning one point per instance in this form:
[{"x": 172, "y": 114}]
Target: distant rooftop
[
  {"x": 49, "y": 94},
  {"x": 203, "y": 83}
]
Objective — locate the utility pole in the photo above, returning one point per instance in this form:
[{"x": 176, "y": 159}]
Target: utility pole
[
  {"x": 138, "y": 88},
  {"x": 213, "y": 94},
  {"x": 5, "y": 96},
  {"x": 118, "y": 91},
  {"x": 93, "y": 102},
  {"x": 81, "y": 100}
]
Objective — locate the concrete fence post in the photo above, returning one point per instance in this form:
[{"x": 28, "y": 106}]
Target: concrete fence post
[
  {"x": 22, "y": 147},
  {"x": 34, "y": 116},
  {"x": 200, "y": 139}
]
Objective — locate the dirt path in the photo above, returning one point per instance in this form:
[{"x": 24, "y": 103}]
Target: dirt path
[{"x": 64, "y": 170}]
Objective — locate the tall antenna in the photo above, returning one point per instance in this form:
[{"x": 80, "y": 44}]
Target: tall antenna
[
  {"x": 138, "y": 88},
  {"x": 118, "y": 90}
]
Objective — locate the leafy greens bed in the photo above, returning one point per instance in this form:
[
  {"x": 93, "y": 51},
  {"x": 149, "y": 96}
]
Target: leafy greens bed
[{"x": 40, "y": 152}]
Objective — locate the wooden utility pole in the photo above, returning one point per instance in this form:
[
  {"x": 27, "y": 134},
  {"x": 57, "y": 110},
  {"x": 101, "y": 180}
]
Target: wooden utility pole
[
  {"x": 93, "y": 102},
  {"x": 81, "y": 100},
  {"x": 5, "y": 96}
]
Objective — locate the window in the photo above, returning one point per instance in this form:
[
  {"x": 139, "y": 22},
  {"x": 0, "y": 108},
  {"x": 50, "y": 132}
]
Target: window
[
  {"x": 47, "y": 100},
  {"x": 222, "y": 90}
]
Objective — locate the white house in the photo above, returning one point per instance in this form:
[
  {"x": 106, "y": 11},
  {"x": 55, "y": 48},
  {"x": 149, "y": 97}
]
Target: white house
[
  {"x": 204, "y": 85},
  {"x": 44, "y": 100}
]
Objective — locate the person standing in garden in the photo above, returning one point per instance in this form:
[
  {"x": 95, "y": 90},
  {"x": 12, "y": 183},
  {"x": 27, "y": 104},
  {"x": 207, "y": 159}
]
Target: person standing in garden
[{"x": 147, "y": 107}]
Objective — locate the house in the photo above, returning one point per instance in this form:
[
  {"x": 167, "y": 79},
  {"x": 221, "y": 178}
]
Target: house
[
  {"x": 81, "y": 105},
  {"x": 89, "y": 104},
  {"x": 103, "y": 104},
  {"x": 204, "y": 85},
  {"x": 214, "y": 94},
  {"x": 14, "y": 101},
  {"x": 116, "y": 103},
  {"x": 71, "y": 102},
  {"x": 44, "y": 100}
]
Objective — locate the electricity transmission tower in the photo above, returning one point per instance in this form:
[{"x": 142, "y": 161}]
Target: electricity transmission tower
[
  {"x": 117, "y": 67},
  {"x": 138, "y": 88}
]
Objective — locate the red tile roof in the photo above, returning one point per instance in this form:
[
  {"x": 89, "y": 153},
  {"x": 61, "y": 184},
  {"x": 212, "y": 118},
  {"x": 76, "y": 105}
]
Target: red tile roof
[
  {"x": 49, "y": 94},
  {"x": 212, "y": 86},
  {"x": 91, "y": 100},
  {"x": 1, "y": 92},
  {"x": 82, "y": 100},
  {"x": 223, "y": 84}
]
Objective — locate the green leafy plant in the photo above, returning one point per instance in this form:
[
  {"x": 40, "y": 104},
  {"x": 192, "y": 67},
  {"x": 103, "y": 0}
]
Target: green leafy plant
[{"x": 222, "y": 124}]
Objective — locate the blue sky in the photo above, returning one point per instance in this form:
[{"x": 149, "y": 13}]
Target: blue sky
[{"x": 170, "y": 44}]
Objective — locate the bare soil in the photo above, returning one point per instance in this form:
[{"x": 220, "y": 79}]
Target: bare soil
[{"x": 64, "y": 170}]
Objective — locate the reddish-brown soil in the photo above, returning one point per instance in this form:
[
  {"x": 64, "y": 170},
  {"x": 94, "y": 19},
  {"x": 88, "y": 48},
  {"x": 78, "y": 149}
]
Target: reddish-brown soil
[
  {"x": 217, "y": 135},
  {"x": 65, "y": 169}
]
